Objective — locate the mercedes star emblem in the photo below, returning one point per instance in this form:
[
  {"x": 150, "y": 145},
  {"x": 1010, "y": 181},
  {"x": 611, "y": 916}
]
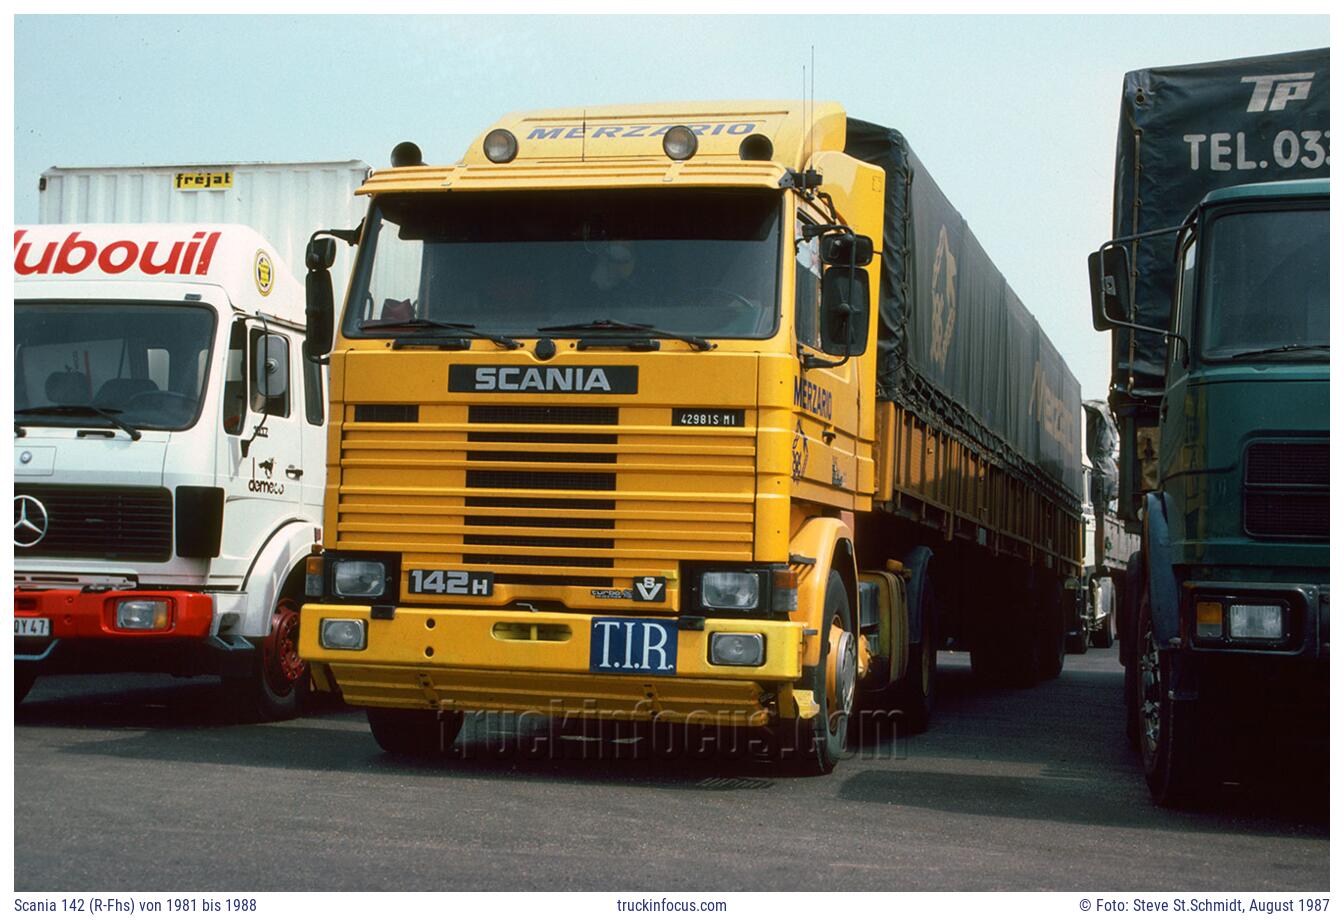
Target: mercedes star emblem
[{"x": 30, "y": 521}]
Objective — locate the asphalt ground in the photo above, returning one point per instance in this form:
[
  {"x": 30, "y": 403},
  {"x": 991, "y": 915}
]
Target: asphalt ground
[{"x": 142, "y": 783}]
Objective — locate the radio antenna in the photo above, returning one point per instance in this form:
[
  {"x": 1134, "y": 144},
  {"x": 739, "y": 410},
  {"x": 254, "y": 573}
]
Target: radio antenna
[{"x": 812, "y": 105}]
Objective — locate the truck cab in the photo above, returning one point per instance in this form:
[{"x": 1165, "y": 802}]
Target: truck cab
[
  {"x": 1230, "y": 601},
  {"x": 168, "y": 456}
]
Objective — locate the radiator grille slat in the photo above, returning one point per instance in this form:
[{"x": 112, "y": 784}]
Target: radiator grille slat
[
  {"x": 512, "y": 473},
  {"x": 1287, "y": 490},
  {"x": 134, "y": 524}
]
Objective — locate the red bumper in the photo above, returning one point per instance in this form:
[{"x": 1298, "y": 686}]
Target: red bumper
[{"x": 87, "y": 615}]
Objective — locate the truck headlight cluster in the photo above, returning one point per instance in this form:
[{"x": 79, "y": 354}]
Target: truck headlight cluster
[
  {"x": 1255, "y": 621},
  {"x": 358, "y": 578},
  {"x": 142, "y": 613},
  {"x": 730, "y": 590},
  {"x": 1229, "y": 619},
  {"x": 349, "y": 635}
]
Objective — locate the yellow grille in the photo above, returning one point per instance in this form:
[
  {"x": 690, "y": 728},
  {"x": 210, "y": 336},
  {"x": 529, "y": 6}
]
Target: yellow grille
[{"x": 557, "y": 501}]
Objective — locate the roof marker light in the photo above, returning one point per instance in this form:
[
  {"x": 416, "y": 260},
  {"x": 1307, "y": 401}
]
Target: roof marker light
[
  {"x": 679, "y": 143},
  {"x": 500, "y": 146}
]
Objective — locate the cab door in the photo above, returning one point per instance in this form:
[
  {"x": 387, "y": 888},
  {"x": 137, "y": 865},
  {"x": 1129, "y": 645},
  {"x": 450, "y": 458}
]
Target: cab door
[
  {"x": 826, "y": 425},
  {"x": 262, "y": 468}
]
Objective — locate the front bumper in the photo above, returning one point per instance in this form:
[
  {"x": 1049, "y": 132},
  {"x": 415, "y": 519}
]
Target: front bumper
[{"x": 461, "y": 659}]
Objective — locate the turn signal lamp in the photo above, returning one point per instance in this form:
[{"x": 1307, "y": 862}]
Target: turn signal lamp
[{"x": 1209, "y": 619}]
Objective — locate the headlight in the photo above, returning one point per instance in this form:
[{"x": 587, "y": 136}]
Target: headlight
[
  {"x": 142, "y": 614},
  {"x": 730, "y": 590},
  {"x": 1255, "y": 621},
  {"x": 358, "y": 578},
  {"x": 740, "y": 649},
  {"x": 351, "y": 635}
]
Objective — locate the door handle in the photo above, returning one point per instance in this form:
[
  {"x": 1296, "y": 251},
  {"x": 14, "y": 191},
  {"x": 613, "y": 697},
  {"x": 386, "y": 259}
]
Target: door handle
[
  {"x": 1162, "y": 412},
  {"x": 293, "y": 472}
]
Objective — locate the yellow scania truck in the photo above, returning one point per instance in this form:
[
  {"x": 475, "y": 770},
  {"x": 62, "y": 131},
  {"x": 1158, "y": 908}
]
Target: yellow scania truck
[{"x": 698, "y": 413}]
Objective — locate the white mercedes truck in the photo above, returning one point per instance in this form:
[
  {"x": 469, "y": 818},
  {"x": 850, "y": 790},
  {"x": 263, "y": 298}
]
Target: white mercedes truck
[{"x": 169, "y": 436}]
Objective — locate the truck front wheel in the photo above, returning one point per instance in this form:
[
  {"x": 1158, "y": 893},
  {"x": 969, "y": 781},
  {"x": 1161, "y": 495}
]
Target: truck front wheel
[
  {"x": 415, "y": 732},
  {"x": 819, "y": 742},
  {"x": 278, "y": 681},
  {"x": 1167, "y": 727}
]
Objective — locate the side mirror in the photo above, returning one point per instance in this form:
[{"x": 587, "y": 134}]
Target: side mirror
[
  {"x": 844, "y": 311},
  {"x": 271, "y": 374},
  {"x": 846, "y": 249},
  {"x": 1108, "y": 270},
  {"x": 317, "y": 287},
  {"x": 321, "y": 253}
]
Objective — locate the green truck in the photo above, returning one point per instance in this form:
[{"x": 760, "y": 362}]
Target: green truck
[{"x": 1216, "y": 291}]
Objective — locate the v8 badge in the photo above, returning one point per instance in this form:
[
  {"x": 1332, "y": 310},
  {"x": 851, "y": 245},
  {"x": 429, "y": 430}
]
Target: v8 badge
[{"x": 651, "y": 589}]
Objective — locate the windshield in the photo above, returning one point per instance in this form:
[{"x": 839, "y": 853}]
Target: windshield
[
  {"x": 1267, "y": 285},
  {"x": 143, "y": 365},
  {"x": 697, "y": 262}
]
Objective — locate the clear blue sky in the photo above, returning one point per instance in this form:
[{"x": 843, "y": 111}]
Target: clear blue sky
[{"x": 1015, "y": 116}]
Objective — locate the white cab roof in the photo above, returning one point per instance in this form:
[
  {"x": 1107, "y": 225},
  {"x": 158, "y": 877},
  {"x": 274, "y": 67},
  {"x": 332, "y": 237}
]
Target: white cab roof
[{"x": 178, "y": 256}]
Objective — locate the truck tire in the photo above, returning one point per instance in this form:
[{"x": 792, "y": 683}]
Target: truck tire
[
  {"x": 1103, "y": 637},
  {"x": 415, "y": 732},
  {"x": 915, "y": 692},
  {"x": 1050, "y": 629},
  {"x": 818, "y": 744},
  {"x": 1167, "y": 727},
  {"x": 277, "y": 683},
  {"x": 24, "y": 678}
]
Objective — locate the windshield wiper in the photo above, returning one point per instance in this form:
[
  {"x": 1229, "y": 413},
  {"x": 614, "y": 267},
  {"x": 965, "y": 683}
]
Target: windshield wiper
[
  {"x": 107, "y": 414},
  {"x": 639, "y": 330},
  {"x": 1279, "y": 349},
  {"x": 465, "y": 329}
]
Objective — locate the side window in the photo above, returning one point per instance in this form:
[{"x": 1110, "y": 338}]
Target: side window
[
  {"x": 1184, "y": 304},
  {"x": 275, "y": 406},
  {"x": 235, "y": 379},
  {"x": 807, "y": 287},
  {"x": 313, "y": 402}
]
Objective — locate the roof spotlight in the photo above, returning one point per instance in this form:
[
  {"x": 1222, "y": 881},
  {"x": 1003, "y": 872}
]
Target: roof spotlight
[
  {"x": 679, "y": 143},
  {"x": 500, "y": 146}
]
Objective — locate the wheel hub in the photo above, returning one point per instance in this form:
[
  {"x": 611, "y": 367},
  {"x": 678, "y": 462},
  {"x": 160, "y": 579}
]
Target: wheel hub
[
  {"x": 844, "y": 672},
  {"x": 280, "y": 651},
  {"x": 1150, "y": 683}
]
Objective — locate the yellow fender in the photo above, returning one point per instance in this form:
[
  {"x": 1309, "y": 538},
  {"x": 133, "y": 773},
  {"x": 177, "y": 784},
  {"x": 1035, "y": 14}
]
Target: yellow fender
[{"x": 818, "y": 539}]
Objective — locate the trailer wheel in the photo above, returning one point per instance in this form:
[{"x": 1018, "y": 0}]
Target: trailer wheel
[
  {"x": 915, "y": 692},
  {"x": 415, "y": 732},
  {"x": 24, "y": 678},
  {"x": 818, "y": 743},
  {"x": 1167, "y": 727},
  {"x": 1006, "y": 650},
  {"x": 278, "y": 682}
]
